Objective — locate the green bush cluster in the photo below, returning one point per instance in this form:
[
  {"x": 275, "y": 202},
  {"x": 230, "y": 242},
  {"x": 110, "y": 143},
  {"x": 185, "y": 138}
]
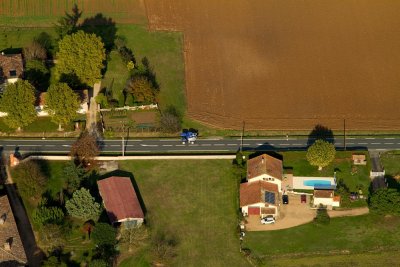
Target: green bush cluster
[{"x": 45, "y": 215}]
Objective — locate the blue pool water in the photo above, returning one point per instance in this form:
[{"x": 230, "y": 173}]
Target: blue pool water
[{"x": 317, "y": 183}]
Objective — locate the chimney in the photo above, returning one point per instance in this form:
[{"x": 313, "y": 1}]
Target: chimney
[
  {"x": 3, "y": 218},
  {"x": 262, "y": 159}
]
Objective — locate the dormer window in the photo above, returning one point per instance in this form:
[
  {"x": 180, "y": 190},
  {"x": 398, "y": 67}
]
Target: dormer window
[{"x": 13, "y": 73}]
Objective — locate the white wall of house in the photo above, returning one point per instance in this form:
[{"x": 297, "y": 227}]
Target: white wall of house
[
  {"x": 326, "y": 202},
  {"x": 12, "y": 80},
  {"x": 269, "y": 179},
  {"x": 139, "y": 221}
]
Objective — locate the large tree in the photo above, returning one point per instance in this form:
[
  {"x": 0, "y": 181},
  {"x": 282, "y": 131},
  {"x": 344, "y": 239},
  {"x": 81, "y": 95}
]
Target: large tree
[
  {"x": 321, "y": 154},
  {"x": 18, "y": 100},
  {"x": 385, "y": 201},
  {"x": 62, "y": 103},
  {"x": 80, "y": 57},
  {"x": 83, "y": 206},
  {"x": 30, "y": 179},
  {"x": 85, "y": 149},
  {"x": 69, "y": 23},
  {"x": 142, "y": 90}
]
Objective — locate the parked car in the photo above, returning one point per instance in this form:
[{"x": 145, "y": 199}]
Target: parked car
[
  {"x": 285, "y": 199},
  {"x": 268, "y": 220},
  {"x": 303, "y": 198}
]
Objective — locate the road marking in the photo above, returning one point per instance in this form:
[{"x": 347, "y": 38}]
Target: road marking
[
  {"x": 10, "y": 145},
  {"x": 66, "y": 145},
  {"x": 148, "y": 145},
  {"x": 389, "y": 138},
  {"x": 369, "y": 138},
  {"x": 389, "y": 143},
  {"x": 232, "y": 144},
  {"x": 375, "y": 143},
  {"x": 30, "y": 145},
  {"x": 194, "y": 150},
  {"x": 284, "y": 144},
  {"x": 166, "y": 145},
  {"x": 260, "y": 144},
  {"x": 296, "y": 144}
]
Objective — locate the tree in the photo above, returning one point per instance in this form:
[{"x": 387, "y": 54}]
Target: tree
[
  {"x": 44, "y": 215},
  {"x": 164, "y": 246},
  {"x": 322, "y": 216},
  {"x": 52, "y": 237},
  {"x": 83, "y": 206},
  {"x": 134, "y": 236},
  {"x": 141, "y": 89},
  {"x": 104, "y": 234},
  {"x": 34, "y": 51},
  {"x": 385, "y": 201},
  {"x": 62, "y": 103},
  {"x": 80, "y": 57},
  {"x": 321, "y": 154},
  {"x": 68, "y": 24},
  {"x": 30, "y": 179},
  {"x": 73, "y": 175},
  {"x": 85, "y": 150},
  {"x": 37, "y": 74},
  {"x": 170, "y": 120},
  {"x": 18, "y": 101}
]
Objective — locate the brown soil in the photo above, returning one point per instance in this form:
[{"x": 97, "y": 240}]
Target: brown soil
[{"x": 288, "y": 64}]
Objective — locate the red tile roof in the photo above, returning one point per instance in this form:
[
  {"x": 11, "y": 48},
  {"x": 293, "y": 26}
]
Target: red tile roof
[
  {"x": 323, "y": 193},
  {"x": 10, "y": 63},
  {"x": 119, "y": 197},
  {"x": 264, "y": 164},
  {"x": 251, "y": 193}
]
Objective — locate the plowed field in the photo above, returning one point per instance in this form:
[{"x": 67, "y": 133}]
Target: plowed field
[{"x": 288, "y": 64}]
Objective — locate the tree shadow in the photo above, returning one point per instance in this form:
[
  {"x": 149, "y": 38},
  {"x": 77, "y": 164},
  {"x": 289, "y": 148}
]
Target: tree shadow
[
  {"x": 12, "y": 50},
  {"x": 73, "y": 81},
  {"x": 47, "y": 42},
  {"x": 392, "y": 182},
  {"x": 320, "y": 132},
  {"x": 150, "y": 73},
  {"x": 103, "y": 27}
]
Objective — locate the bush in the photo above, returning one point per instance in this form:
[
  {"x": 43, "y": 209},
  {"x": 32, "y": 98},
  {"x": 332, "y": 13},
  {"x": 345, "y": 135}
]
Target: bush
[
  {"x": 170, "y": 120},
  {"x": 104, "y": 234},
  {"x": 45, "y": 215},
  {"x": 98, "y": 263},
  {"x": 102, "y": 100},
  {"x": 30, "y": 179},
  {"x": 83, "y": 206},
  {"x": 322, "y": 216},
  {"x": 385, "y": 201}
]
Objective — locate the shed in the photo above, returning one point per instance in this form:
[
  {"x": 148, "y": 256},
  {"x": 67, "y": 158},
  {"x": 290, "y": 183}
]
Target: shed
[
  {"x": 120, "y": 201},
  {"x": 359, "y": 159}
]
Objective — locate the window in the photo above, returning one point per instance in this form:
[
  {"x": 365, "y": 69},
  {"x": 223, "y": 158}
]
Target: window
[{"x": 13, "y": 73}]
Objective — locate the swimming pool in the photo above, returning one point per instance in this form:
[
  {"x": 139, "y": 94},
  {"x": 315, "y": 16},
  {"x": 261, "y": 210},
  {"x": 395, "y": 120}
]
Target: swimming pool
[{"x": 317, "y": 183}]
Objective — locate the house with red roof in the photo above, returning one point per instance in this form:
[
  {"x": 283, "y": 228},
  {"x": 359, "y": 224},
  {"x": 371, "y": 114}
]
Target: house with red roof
[
  {"x": 260, "y": 195},
  {"x": 120, "y": 201}
]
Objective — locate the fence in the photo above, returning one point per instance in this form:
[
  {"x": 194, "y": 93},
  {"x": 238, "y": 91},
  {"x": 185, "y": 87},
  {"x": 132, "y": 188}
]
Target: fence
[{"x": 142, "y": 107}]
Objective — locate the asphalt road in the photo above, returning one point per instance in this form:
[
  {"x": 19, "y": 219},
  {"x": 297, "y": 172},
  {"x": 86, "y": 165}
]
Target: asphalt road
[{"x": 201, "y": 145}]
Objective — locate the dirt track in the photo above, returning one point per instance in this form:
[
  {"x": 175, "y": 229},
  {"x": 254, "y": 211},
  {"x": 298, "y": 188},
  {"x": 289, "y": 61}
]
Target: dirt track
[{"x": 288, "y": 64}]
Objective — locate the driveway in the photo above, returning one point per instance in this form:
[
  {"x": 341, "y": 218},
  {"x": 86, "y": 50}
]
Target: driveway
[{"x": 293, "y": 214}]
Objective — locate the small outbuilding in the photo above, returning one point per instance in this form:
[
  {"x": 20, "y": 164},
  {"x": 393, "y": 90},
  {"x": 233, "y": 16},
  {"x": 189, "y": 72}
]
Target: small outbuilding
[
  {"x": 120, "y": 201},
  {"x": 359, "y": 159}
]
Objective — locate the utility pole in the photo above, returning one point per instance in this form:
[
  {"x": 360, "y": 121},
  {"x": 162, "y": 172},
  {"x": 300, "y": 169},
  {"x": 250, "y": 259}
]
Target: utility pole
[
  {"x": 241, "y": 138},
  {"x": 344, "y": 134},
  {"x": 123, "y": 143}
]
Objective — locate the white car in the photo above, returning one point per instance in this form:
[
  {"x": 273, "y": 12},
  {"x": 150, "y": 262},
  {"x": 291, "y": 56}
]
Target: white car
[{"x": 268, "y": 220}]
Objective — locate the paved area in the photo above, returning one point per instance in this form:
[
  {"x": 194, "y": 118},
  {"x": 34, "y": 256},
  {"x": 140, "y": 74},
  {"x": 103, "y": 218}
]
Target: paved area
[{"x": 293, "y": 214}]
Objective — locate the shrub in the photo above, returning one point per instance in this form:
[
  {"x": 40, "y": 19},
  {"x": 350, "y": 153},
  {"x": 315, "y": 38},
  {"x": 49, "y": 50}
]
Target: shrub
[
  {"x": 45, "y": 215},
  {"x": 385, "y": 201},
  {"x": 30, "y": 179},
  {"x": 104, "y": 234},
  {"x": 170, "y": 120},
  {"x": 322, "y": 216},
  {"x": 83, "y": 206}
]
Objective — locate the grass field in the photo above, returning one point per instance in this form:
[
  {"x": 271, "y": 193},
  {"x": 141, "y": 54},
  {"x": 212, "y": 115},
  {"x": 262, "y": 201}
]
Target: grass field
[
  {"x": 116, "y": 74},
  {"x": 358, "y": 234},
  {"x": 391, "y": 162},
  {"x": 195, "y": 200}
]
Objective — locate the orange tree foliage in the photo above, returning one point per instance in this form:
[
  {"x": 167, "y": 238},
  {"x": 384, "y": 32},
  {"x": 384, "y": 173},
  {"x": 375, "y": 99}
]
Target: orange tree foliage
[
  {"x": 85, "y": 149},
  {"x": 141, "y": 89}
]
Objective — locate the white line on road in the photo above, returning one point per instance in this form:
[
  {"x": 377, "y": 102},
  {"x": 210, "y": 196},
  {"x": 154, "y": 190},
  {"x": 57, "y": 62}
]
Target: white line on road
[
  {"x": 147, "y": 145},
  {"x": 66, "y": 145},
  {"x": 375, "y": 143}
]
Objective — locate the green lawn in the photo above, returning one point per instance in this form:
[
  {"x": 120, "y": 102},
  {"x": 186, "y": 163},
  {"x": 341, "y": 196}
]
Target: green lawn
[
  {"x": 116, "y": 75},
  {"x": 164, "y": 52},
  {"x": 19, "y": 37},
  {"x": 197, "y": 201},
  {"x": 342, "y": 165},
  {"x": 391, "y": 162},
  {"x": 365, "y": 233}
]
